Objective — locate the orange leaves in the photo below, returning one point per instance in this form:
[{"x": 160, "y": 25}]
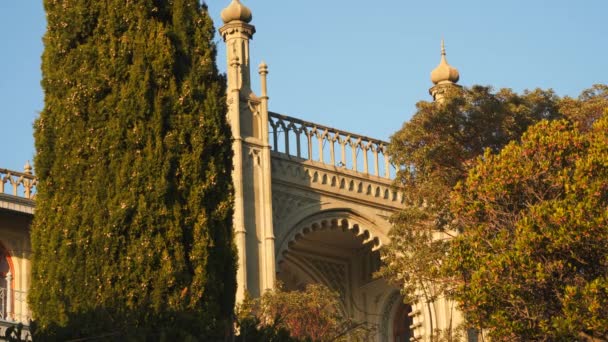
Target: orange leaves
[{"x": 311, "y": 314}]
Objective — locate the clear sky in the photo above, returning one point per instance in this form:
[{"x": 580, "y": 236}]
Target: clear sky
[{"x": 356, "y": 65}]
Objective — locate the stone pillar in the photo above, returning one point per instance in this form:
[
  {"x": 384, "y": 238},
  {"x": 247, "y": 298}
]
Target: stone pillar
[
  {"x": 248, "y": 117},
  {"x": 9, "y": 296},
  {"x": 270, "y": 269}
]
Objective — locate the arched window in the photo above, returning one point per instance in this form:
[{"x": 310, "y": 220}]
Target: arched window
[
  {"x": 402, "y": 323},
  {"x": 6, "y": 277}
]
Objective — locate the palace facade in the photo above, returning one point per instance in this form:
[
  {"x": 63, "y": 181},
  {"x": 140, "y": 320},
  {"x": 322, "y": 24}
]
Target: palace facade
[{"x": 311, "y": 206}]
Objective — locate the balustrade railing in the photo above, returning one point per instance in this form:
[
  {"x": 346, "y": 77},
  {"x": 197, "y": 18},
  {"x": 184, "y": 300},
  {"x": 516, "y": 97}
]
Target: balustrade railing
[
  {"x": 22, "y": 184},
  {"x": 291, "y": 136},
  {"x": 311, "y": 141}
]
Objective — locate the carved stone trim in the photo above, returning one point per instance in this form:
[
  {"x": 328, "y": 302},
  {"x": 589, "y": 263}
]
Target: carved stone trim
[
  {"x": 237, "y": 27},
  {"x": 284, "y": 204},
  {"x": 335, "y": 273},
  {"x": 376, "y": 192},
  {"x": 343, "y": 223},
  {"x": 255, "y": 155}
]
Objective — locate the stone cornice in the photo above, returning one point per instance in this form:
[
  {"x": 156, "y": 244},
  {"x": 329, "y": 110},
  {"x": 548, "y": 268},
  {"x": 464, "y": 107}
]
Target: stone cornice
[
  {"x": 237, "y": 27},
  {"x": 18, "y": 204},
  {"x": 335, "y": 181}
]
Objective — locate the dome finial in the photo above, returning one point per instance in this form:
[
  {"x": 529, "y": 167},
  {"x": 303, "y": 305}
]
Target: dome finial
[
  {"x": 236, "y": 11},
  {"x": 444, "y": 73},
  {"x": 27, "y": 168}
]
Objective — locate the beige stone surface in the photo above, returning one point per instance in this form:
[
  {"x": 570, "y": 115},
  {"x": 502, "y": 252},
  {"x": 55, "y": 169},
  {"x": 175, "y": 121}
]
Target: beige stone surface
[{"x": 312, "y": 202}]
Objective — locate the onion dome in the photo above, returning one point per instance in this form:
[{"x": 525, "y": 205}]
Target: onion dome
[
  {"x": 236, "y": 11},
  {"x": 444, "y": 73}
]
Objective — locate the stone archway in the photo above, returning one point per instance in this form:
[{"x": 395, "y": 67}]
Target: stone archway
[
  {"x": 338, "y": 249},
  {"x": 333, "y": 219}
]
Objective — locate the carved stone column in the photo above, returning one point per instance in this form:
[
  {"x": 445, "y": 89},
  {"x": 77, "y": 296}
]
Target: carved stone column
[{"x": 248, "y": 117}]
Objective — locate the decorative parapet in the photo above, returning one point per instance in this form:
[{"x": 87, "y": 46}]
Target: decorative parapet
[
  {"x": 296, "y": 138},
  {"x": 20, "y": 184}
]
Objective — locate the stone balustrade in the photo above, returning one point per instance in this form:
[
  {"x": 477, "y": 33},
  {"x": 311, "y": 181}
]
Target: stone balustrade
[
  {"x": 21, "y": 184},
  {"x": 290, "y": 136},
  {"x": 309, "y": 141},
  {"x": 12, "y": 305},
  {"x": 3, "y": 303}
]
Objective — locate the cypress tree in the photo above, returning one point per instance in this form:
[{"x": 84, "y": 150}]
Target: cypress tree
[{"x": 132, "y": 235}]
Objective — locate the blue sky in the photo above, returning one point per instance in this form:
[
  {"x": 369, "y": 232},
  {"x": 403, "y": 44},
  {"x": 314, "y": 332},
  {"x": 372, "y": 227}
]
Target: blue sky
[{"x": 356, "y": 65}]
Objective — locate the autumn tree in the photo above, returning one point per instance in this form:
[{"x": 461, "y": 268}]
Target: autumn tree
[
  {"x": 132, "y": 232},
  {"x": 311, "y": 314},
  {"x": 434, "y": 151},
  {"x": 531, "y": 259}
]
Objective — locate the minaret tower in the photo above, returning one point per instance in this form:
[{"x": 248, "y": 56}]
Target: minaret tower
[
  {"x": 248, "y": 117},
  {"x": 444, "y": 77}
]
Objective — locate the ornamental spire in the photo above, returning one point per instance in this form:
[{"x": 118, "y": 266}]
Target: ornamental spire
[
  {"x": 236, "y": 11},
  {"x": 444, "y": 73},
  {"x": 444, "y": 77}
]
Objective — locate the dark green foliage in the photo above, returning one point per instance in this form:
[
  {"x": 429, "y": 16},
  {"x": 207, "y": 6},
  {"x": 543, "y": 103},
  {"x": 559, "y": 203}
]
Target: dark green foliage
[{"x": 132, "y": 233}]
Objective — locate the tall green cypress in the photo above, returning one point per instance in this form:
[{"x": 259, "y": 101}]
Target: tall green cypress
[{"x": 132, "y": 233}]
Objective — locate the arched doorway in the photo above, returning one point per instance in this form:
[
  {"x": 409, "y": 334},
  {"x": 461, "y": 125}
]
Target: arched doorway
[
  {"x": 401, "y": 323},
  {"x": 341, "y": 254}
]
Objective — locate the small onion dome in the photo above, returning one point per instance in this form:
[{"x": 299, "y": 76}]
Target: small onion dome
[
  {"x": 444, "y": 73},
  {"x": 236, "y": 11},
  {"x": 263, "y": 68}
]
